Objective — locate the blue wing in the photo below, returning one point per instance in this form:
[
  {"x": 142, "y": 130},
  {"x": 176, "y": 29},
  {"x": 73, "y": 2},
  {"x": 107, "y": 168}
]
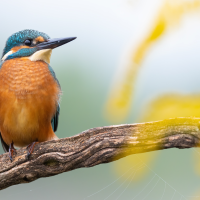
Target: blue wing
[{"x": 54, "y": 120}]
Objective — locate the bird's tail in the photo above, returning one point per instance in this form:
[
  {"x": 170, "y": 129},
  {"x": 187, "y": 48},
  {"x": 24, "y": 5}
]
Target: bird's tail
[{"x": 4, "y": 145}]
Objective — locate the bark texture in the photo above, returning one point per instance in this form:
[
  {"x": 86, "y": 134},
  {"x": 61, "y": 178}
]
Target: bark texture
[{"x": 96, "y": 146}]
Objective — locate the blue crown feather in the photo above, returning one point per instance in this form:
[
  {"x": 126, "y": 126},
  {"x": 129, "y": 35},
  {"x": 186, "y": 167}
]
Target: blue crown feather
[{"x": 18, "y": 38}]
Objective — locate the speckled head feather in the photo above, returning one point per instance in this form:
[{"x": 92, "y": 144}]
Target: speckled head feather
[{"x": 17, "y": 39}]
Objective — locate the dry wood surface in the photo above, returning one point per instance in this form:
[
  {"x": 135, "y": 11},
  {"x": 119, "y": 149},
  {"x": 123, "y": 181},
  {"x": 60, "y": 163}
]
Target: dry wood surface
[{"x": 96, "y": 146}]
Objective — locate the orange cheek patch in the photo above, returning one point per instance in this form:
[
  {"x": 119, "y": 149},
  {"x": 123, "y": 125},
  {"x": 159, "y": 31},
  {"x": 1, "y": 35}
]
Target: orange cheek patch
[
  {"x": 39, "y": 39},
  {"x": 15, "y": 49}
]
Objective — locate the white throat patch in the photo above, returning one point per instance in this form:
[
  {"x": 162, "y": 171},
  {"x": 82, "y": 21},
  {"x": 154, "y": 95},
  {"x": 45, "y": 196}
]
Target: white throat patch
[
  {"x": 43, "y": 55},
  {"x": 6, "y": 55}
]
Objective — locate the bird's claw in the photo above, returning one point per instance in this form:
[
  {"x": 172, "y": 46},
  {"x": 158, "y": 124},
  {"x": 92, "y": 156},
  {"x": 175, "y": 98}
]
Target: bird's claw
[
  {"x": 12, "y": 150},
  {"x": 30, "y": 148}
]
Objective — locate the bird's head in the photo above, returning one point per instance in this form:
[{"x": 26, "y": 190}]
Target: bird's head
[{"x": 32, "y": 44}]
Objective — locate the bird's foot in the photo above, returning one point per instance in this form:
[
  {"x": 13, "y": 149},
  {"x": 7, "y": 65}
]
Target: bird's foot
[
  {"x": 12, "y": 150},
  {"x": 30, "y": 148}
]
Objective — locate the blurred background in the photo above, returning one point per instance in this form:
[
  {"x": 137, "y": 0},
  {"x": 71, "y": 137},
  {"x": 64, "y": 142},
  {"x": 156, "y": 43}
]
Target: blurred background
[{"x": 133, "y": 61}]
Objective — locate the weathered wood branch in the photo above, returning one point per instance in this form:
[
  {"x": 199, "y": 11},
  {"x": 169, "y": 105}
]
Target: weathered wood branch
[{"x": 95, "y": 146}]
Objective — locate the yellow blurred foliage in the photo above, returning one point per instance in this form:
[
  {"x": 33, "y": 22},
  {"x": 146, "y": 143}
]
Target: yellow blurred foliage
[
  {"x": 168, "y": 106},
  {"x": 141, "y": 163},
  {"x": 119, "y": 101},
  {"x": 120, "y": 97},
  {"x": 170, "y": 15},
  {"x": 172, "y": 106}
]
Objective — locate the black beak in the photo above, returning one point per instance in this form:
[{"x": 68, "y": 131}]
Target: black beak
[{"x": 53, "y": 43}]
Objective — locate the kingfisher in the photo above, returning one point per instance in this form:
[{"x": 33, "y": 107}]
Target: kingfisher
[{"x": 29, "y": 91}]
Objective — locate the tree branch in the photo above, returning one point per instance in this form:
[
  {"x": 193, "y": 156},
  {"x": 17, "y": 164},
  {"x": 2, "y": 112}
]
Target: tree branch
[{"x": 95, "y": 146}]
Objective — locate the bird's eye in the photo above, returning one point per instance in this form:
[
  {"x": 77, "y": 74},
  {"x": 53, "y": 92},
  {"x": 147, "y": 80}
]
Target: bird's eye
[{"x": 28, "y": 42}]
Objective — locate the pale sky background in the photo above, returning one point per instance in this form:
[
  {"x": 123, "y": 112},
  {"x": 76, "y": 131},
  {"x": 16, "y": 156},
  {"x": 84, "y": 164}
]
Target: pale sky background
[{"x": 106, "y": 31}]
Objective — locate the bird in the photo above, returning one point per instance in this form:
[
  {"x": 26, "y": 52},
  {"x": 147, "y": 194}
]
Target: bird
[{"x": 29, "y": 91}]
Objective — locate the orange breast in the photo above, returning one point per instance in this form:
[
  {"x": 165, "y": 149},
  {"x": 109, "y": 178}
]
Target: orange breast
[{"x": 28, "y": 100}]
